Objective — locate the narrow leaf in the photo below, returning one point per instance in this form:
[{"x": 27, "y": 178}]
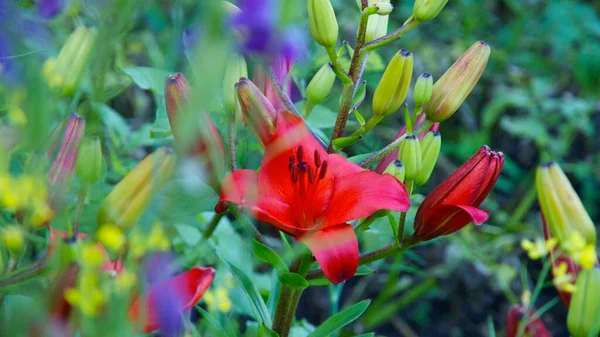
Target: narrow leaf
[
  {"x": 294, "y": 280},
  {"x": 341, "y": 319},
  {"x": 268, "y": 255}
]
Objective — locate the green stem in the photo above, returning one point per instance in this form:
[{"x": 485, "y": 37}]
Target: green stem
[
  {"x": 23, "y": 274},
  {"x": 289, "y": 299},
  {"x": 279, "y": 90},
  {"x": 79, "y": 211},
  {"x": 364, "y": 225},
  {"x": 375, "y": 255},
  {"x": 337, "y": 67},
  {"x": 231, "y": 141},
  {"x": 212, "y": 225},
  {"x": 391, "y": 37},
  {"x": 376, "y": 156},
  {"x": 401, "y": 223}
]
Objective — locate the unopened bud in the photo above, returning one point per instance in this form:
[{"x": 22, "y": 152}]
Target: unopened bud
[
  {"x": 410, "y": 156},
  {"x": 396, "y": 168},
  {"x": 430, "y": 150},
  {"x": 561, "y": 206},
  {"x": 64, "y": 165},
  {"x": 451, "y": 90},
  {"x": 236, "y": 69},
  {"x": 584, "y": 309},
  {"x": 13, "y": 238},
  {"x": 393, "y": 87},
  {"x": 423, "y": 89},
  {"x": 66, "y": 71},
  {"x": 90, "y": 162},
  {"x": 128, "y": 200},
  {"x": 323, "y": 24},
  {"x": 425, "y": 10},
  {"x": 258, "y": 112},
  {"x": 195, "y": 133},
  {"x": 377, "y": 24},
  {"x": 384, "y": 8},
  {"x": 320, "y": 85}
]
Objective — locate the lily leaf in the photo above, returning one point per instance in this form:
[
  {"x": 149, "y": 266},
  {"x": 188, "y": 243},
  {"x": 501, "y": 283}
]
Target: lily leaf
[
  {"x": 294, "y": 280},
  {"x": 269, "y": 256},
  {"x": 341, "y": 319}
]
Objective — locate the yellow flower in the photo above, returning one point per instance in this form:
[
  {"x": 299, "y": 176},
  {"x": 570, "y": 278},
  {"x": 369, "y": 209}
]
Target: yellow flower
[
  {"x": 111, "y": 236},
  {"x": 13, "y": 239},
  {"x": 562, "y": 280},
  {"x": 91, "y": 256},
  {"x": 16, "y": 115},
  {"x": 125, "y": 280},
  {"x": 539, "y": 248},
  {"x": 87, "y": 296},
  {"x": 588, "y": 257},
  {"x": 219, "y": 300},
  {"x": 42, "y": 213}
]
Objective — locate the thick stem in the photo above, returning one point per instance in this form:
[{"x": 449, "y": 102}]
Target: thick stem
[
  {"x": 212, "y": 225},
  {"x": 401, "y": 223},
  {"x": 79, "y": 211},
  {"x": 375, "y": 255},
  {"x": 282, "y": 311},
  {"x": 231, "y": 141},
  {"x": 23, "y": 275}
]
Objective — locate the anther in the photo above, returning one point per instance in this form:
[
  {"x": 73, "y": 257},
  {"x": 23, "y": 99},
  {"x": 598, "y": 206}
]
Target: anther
[
  {"x": 323, "y": 170},
  {"x": 317, "y": 159},
  {"x": 302, "y": 166},
  {"x": 294, "y": 174},
  {"x": 300, "y": 154},
  {"x": 311, "y": 174}
]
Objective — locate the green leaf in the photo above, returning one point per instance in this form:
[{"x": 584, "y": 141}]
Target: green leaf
[
  {"x": 259, "y": 308},
  {"x": 263, "y": 331},
  {"x": 212, "y": 323},
  {"x": 268, "y": 255},
  {"x": 148, "y": 78},
  {"x": 341, "y": 319},
  {"x": 294, "y": 280},
  {"x": 161, "y": 127}
]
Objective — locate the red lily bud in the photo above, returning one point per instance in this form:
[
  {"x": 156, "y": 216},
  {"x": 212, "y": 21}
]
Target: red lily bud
[
  {"x": 281, "y": 65},
  {"x": 535, "y": 328},
  {"x": 197, "y": 137},
  {"x": 259, "y": 113},
  {"x": 64, "y": 164},
  {"x": 453, "y": 204}
]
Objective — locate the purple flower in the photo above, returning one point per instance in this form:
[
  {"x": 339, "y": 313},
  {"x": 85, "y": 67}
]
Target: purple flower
[{"x": 48, "y": 9}]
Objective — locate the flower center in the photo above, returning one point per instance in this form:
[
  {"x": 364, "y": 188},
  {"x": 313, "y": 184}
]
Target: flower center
[{"x": 305, "y": 176}]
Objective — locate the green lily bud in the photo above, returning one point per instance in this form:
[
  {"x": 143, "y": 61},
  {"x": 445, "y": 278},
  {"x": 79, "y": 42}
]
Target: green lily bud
[
  {"x": 320, "y": 85},
  {"x": 377, "y": 24},
  {"x": 64, "y": 72},
  {"x": 425, "y": 10},
  {"x": 323, "y": 23},
  {"x": 397, "y": 169},
  {"x": 127, "y": 201},
  {"x": 13, "y": 238},
  {"x": 423, "y": 89},
  {"x": 258, "y": 112},
  {"x": 410, "y": 156},
  {"x": 451, "y": 90},
  {"x": 90, "y": 162},
  {"x": 236, "y": 69},
  {"x": 393, "y": 87},
  {"x": 562, "y": 208},
  {"x": 584, "y": 309},
  {"x": 430, "y": 150}
]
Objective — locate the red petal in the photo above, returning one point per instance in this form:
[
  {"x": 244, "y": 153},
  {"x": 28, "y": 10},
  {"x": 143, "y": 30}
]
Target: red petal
[
  {"x": 361, "y": 194},
  {"x": 336, "y": 250},
  {"x": 306, "y": 203},
  {"x": 240, "y": 187},
  {"x": 188, "y": 287},
  {"x": 447, "y": 219}
]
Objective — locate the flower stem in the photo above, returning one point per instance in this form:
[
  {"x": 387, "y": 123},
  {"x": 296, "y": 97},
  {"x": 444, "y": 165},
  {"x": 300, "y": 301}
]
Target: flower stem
[
  {"x": 231, "y": 141},
  {"x": 401, "y": 223},
  {"x": 376, "y": 156},
  {"x": 212, "y": 225},
  {"x": 79, "y": 211},
  {"x": 289, "y": 299},
  {"x": 391, "y": 37},
  {"x": 375, "y": 255},
  {"x": 23, "y": 274}
]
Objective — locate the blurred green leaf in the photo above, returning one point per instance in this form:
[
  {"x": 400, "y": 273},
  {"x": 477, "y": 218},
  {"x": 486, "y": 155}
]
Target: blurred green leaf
[
  {"x": 267, "y": 255},
  {"x": 293, "y": 279},
  {"x": 263, "y": 331},
  {"x": 341, "y": 319},
  {"x": 148, "y": 78}
]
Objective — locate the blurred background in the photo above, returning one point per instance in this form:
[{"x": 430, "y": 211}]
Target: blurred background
[{"x": 538, "y": 100}]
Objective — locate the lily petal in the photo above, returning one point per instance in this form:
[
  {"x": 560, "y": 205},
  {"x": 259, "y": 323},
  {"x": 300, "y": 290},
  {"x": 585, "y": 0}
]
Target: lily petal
[
  {"x": 187, "y": 287},
  {"x": 336, "y": 250},
  {"x": 447, "y": 219},
  {"x": 361, "y": 194}
]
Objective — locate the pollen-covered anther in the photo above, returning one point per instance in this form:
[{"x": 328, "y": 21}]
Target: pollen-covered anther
[
  {"x": 323, "y": 170},
  {"x": 317, "y": 159}
]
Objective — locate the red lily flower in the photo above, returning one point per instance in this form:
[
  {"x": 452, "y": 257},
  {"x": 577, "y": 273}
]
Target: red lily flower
[
  {"x": 385, "y": 161},
  {"x": 309, "y": 194},
  {"x": 453, "y": 204},
  {"x": 535, "y": 328},
  {"x": 185, "y": 289}
]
